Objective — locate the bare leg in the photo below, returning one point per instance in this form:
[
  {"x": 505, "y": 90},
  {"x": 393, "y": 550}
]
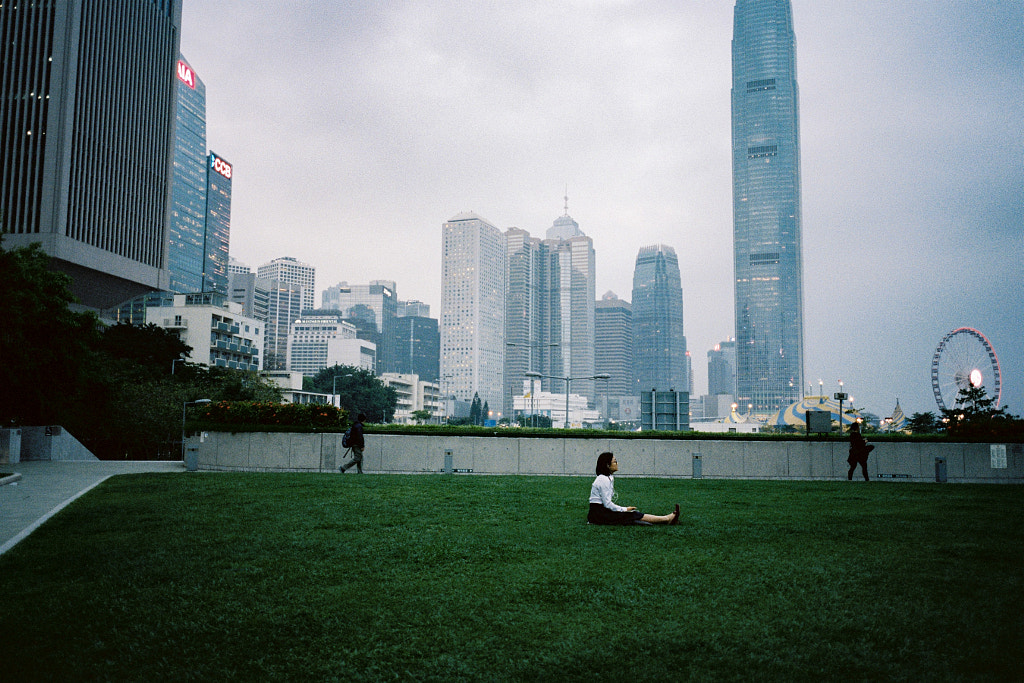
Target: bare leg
[
  {"x": 663, "y": 519},
  {"x": 658, "y": 519}
]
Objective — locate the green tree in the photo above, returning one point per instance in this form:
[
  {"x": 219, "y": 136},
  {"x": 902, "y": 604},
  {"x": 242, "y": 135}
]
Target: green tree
[
  {"x": 46, "y": 349},
  {"x": 150, "y": 346},
  {"x": 421, "y": 415},
  {"x": 475, "y": 408},
  {"x": 359, "y": 391},
  {"x": 923, "y": 423},
  {"x": 975, "y": 415}
]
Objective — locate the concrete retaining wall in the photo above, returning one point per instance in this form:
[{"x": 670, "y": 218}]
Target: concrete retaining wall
[
  {"x": 10, "y": 446},
  {"x": 52, "y": 443},
  {"x": 726, "y": 459}
]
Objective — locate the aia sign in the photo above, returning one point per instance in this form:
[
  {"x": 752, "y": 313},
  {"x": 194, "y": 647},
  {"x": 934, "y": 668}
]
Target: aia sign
[
  {"x": 220, "y": 166},
  {"x": 186, "y": 75}
]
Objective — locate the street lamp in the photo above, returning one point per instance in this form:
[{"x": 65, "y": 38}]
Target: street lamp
[
  {"x": 567, "y": 380},
  {"x": 529, "y": 364},
  {"x": 176, "y": 360},
  {"x": 840, "y": 396},
  {"x": 186, "y": 404}
]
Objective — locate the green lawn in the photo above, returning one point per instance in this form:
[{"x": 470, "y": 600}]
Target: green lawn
[{"x": 319, "y": 577}]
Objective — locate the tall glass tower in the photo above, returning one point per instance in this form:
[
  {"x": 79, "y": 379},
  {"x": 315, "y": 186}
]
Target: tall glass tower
[
  {"x": 659, "y": 354},
  {"x": 188, "y": 211},
  {"x": 766, "y": 206},
  {"x": 218, "y": 224}
]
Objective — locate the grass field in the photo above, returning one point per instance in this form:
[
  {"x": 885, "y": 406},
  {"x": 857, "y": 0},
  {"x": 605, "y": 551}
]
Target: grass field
[{"x": 316, "y": 577}]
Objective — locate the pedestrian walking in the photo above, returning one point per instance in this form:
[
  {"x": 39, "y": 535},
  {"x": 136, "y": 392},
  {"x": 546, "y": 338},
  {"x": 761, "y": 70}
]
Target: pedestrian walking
[{"x": 356, "y": 444}]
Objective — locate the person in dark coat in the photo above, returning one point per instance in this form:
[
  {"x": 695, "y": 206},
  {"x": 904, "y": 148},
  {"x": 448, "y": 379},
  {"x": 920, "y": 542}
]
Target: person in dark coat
[
  {"x": 356, "y": 443},
  {"x": 859, "y": 450}
]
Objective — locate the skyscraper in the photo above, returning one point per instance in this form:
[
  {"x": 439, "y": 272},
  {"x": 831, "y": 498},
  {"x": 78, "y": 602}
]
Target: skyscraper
[
  {"x": 188, "y": 211},
  {"x": 417, "y": 350},
  {"x": 659, "y": 355},
  {"x": 288, "y": 269},
  {"x": 568, "y": 304},
  {"x": 549, "y": 318},
  {"x": 86, "y": 139},
  {"x": 766, "y": 206},
  {"x": 218, "y": 224},
  {"x": 527, "y": 350},
  {"x": 722, "y": 369},
  {"x": 375, "y": 304},
  {"x": 613, "y": 346},
  {"x": 472, "y": 309},
  {"x": 283, "y": 301}
]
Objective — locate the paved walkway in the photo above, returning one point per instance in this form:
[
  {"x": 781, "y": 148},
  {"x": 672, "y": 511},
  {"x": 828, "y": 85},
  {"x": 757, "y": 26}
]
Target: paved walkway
[{"x": 45, "y": 487}]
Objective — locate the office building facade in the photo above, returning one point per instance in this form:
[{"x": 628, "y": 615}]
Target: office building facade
[
  {"x": 86, "y": 139},
  {"x": 472, "y": 309},
  {"x": 549, "y": 319},
  {"x": 613, "y": 348},
  {"x": 219, "y": 334},
  {"x": 186, "y": 237},
  {"x": 218, "y": 224},
  {"x": 659, "y": 351},
  {"x": 288, "y": 269},
  {"x": 372, "y": 305},
  {"x": 722, "y": 369},
  {"x": 568, "y": 304},
  {"x": 417, "y": 347},
  {"x": 284, "y": 306},
  {"x": 527, "y": 347},
  {"x": 766, "y": 206},
  {"x": 318, "y": 342}
]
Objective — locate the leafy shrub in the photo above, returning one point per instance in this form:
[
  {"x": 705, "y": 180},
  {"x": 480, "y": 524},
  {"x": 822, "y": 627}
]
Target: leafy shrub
[{"x": 318, "y": 416}]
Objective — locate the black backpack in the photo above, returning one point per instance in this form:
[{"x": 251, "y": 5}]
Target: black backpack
[{"x": 346, "y": 438}]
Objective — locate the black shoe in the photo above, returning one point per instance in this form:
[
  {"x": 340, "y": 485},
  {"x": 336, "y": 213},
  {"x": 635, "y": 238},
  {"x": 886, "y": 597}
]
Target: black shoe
[{"x": 675, "y": 517}]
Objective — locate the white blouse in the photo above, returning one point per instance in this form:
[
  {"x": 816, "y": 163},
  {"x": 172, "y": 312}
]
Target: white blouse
[{"x": 602, "y": 491}]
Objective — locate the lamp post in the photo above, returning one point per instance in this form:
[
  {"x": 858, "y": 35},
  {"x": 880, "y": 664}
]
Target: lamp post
[
  {"x": 176, "y": 360},
  {"x": 529, "y": 364},
  {"x": 840, "y": 396},
  {"x": 567, "y": 380},
  {"x": 186, "y": 404}
]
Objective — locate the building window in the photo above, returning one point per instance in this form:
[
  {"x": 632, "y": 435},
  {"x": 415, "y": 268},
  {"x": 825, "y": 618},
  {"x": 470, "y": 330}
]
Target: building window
[{"x": 762, "y": 151}]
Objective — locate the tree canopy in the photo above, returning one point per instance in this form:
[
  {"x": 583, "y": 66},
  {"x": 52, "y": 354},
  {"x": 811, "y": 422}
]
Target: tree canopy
[
  {"x": 974, "y": 415},
  {"x": 359, "y": 391}
]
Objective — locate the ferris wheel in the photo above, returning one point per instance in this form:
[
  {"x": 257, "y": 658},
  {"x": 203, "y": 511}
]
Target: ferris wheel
[{"x": 964, "y": 358}]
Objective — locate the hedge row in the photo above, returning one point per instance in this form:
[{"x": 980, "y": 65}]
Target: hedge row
[{"x": 304, "y": 416}]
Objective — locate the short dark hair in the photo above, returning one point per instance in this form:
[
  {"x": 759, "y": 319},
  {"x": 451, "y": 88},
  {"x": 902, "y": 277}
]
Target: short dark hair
[{"x": 604, "y": 462}]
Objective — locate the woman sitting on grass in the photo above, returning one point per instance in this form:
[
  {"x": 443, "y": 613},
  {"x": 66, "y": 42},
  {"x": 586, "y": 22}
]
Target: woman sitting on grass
[{"x": 604, "y": 511}]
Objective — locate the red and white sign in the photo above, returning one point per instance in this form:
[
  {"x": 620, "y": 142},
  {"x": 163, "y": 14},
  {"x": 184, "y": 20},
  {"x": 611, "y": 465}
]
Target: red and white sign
[
  {"x": 186, "y": 75},
  {"x": 220, "y": 166}
]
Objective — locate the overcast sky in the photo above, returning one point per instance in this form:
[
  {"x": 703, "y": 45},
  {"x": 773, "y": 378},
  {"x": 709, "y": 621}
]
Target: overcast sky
[{"x": 357, "y": 128}]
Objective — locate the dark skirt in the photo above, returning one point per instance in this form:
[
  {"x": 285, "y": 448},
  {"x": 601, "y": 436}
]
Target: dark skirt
[{"x": 599, "y": 514}]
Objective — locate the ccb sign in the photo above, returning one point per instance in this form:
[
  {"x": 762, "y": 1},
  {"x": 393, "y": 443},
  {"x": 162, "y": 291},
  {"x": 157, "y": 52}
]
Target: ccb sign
[{"x": 220, "y": 166}]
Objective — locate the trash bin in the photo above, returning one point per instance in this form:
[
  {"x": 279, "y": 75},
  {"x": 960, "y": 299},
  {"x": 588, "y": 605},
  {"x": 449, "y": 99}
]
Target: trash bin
[
  {"x": 698, "y": 470},
  {"x": 191, "y": 458},
  {"x": 940, "y": 470},
  {"x": 448, "y": 468}
]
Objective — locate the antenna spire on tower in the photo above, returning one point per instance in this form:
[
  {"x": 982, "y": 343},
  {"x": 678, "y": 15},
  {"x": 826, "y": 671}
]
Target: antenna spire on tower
[{"x": 566, "y": 200}]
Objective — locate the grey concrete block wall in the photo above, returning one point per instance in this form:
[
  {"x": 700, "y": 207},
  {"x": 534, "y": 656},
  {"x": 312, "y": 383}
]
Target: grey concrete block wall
[
  {"x": 725, "y": 459},
  {"x": 52, "y": 443},
  {"x": 10, "y": 446}
]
